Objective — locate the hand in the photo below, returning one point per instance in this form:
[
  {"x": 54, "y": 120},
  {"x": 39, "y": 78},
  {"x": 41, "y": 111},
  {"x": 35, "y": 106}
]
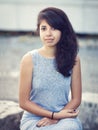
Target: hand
[
  {"x": 46, "y": 121},
  {"x": 66, "y": 113}
]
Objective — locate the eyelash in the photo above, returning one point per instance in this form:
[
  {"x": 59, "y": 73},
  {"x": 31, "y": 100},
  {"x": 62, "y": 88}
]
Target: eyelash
[{"x": 44, "y": 28}]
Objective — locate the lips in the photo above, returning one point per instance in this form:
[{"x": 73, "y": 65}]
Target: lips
[{"x": 49, "y": 40}]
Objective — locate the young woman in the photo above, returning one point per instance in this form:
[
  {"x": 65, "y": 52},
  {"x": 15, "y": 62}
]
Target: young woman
[{"x": 48, "y": 74}]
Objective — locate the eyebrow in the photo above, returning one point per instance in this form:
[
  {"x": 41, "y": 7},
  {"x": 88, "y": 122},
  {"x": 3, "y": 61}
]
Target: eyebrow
[{"x": 43, "y": 26}]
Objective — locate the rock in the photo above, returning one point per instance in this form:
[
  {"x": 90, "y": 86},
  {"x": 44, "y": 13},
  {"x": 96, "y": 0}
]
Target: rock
[
  {"x": 10, "y": 115},
  {"x": 11, "y": 122},
  {"x": 89, "y": 111}
]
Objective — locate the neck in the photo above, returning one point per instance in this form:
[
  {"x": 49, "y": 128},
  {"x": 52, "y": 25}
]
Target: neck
[{"x": 49, "y": 51}]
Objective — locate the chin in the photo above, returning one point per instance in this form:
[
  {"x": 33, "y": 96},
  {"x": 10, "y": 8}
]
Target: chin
[{"x": 50, "y": 44}]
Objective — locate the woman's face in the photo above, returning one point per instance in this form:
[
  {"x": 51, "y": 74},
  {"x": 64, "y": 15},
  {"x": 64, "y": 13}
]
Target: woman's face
[{"x": 49, "y": 35}]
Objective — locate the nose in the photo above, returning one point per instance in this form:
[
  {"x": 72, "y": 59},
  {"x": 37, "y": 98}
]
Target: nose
[{"x": 48, "y": 32}]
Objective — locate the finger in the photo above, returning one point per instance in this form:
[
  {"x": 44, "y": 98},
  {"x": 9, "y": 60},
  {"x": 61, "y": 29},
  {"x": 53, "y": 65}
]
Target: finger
[
  {"x": 48, "y": 123},
  {"x": 74, "y": 114},
  {"x": 40, "y": 123},
  {"x": 73, "y": 111},
  {"x": 76, "y": 111},
  {"x": 45, "y": 124}
]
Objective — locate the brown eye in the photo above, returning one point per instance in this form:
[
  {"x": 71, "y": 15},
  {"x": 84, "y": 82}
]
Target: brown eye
[{"x": 43, "y": 28}]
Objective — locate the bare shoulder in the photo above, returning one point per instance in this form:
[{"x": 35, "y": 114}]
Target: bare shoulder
[
  {"x": 77, "y": 65},
  {"x": 28, "y": 58},
  {"x": 77, "y": 58},
  {"x": 27, "y": 61},
  {"x": 76, "y": 71}
]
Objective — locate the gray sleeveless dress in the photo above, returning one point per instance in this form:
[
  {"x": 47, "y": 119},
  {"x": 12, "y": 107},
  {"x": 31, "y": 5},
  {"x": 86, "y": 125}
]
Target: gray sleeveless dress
[{"x": 50, "y": 90}]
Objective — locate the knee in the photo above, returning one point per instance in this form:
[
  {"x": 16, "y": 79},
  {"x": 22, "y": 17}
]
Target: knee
[{"x": 74, "y": 126}]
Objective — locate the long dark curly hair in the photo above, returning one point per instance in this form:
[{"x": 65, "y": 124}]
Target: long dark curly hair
[{"x": 67, "y": 47}]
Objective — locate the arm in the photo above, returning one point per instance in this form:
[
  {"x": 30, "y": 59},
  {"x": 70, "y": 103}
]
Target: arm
[
  {"x": 76, "y": 90},
  {"x": 76, "y": 86},
  {"x": 26, "y": 70}
]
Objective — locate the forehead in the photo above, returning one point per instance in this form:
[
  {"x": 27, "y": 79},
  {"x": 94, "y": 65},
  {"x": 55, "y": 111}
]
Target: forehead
[{"x": 44, "y": 23}]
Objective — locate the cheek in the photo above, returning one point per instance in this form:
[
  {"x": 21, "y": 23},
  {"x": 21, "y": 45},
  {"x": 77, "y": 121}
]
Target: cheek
[
  {"x": 58, "y": 36},
  {"x": 41, "y": 37},
  {"x": 40, "y": 34}
]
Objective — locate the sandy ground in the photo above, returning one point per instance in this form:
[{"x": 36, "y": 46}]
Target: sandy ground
[{"x": 13, "y": 48}]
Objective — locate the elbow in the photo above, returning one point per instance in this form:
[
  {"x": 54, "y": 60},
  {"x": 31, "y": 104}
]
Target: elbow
[{"x": 22, "y": 104}]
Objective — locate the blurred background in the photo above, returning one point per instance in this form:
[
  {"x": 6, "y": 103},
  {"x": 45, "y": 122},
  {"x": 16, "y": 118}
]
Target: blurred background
[{"x": 18, "y": 35}]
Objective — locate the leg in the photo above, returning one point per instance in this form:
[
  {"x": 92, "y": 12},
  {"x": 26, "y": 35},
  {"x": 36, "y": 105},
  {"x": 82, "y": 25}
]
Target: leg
[
  {"x": 64, "y": 124},
  {"x": 70, "y": 124}
]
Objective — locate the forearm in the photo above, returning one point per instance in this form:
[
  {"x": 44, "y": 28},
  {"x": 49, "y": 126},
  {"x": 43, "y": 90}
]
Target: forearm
[
  {"x": 35, "y": 109},
  {"x": 68, "y": 110},
  {"x": 73, "y": 104}
]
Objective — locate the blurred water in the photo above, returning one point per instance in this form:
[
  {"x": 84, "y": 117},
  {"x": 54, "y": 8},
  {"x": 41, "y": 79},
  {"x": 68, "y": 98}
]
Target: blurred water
[{"x": 13, "y": 48}]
